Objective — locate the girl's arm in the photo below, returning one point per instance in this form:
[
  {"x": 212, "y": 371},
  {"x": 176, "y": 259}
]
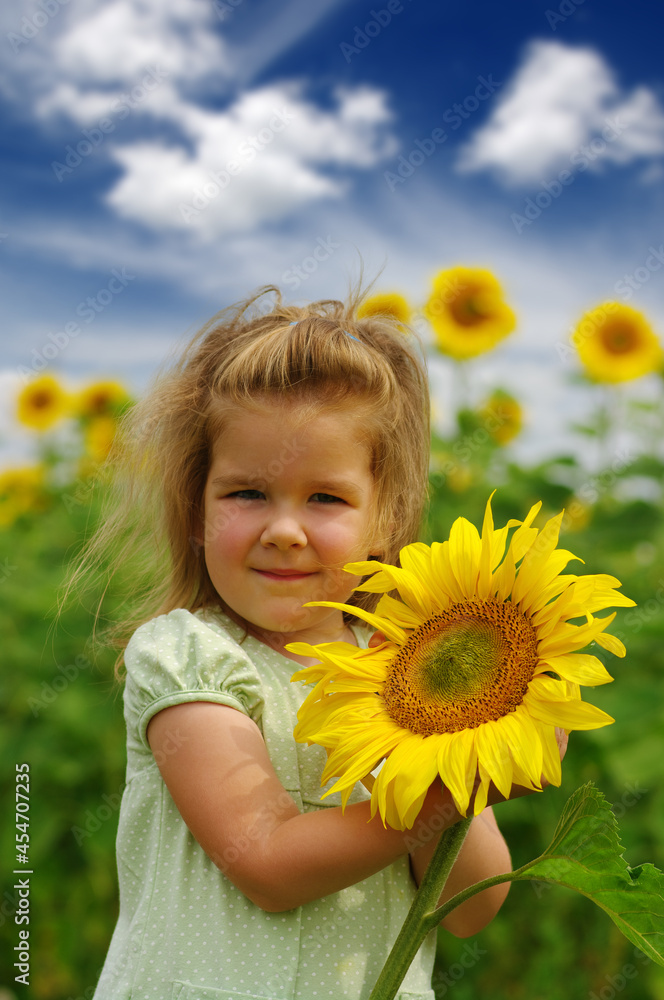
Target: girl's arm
[{"x": 228, "y": 793}]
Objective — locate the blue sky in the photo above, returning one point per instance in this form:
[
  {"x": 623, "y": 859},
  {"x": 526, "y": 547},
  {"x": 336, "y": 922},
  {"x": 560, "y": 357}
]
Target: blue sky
[{"x": 162, "y": 160}]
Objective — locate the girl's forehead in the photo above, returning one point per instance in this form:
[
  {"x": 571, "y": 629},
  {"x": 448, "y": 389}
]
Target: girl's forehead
[
  {"x": 294, "y": 414},
  {"x": 305, "y": 429}
]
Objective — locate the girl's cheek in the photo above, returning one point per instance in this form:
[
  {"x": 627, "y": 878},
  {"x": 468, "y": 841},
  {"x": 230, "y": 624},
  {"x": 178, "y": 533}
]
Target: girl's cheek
[{"x": 226, "y": 525}]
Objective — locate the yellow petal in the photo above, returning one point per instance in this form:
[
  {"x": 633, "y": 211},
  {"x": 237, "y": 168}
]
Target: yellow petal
[
  {"x": 484, "y": 580},
  {"x": 522, "y": 738},
  {"x": 551, "y": 767},
  {"x": 457, "y": 766},
  {"x": 483, "y": 789},
  {"x": 529, "y": 578},
  {"x": 565, "y": 714},
  {"x": 384, "y": 625},
  {"x": 493, "y": 754},
  {"x": 568, "y": 638},
  {"x": 581, "y": 668},
  {"x": 610, "y": 642},
  {"x": 398, "y": 612},
  {"x": 465, "y": 550}
]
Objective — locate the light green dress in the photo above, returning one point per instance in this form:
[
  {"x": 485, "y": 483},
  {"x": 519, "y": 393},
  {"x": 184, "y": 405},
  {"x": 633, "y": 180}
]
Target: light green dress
[{"x": 184, "y": 930}]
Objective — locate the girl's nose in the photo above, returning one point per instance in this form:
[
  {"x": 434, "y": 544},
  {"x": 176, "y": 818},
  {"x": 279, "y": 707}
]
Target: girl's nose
[{"x": 283, "y": 530}]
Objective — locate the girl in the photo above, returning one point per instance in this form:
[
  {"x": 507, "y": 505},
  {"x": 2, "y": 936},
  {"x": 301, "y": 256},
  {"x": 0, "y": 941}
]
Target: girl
[{"x": 282, "y": 445}]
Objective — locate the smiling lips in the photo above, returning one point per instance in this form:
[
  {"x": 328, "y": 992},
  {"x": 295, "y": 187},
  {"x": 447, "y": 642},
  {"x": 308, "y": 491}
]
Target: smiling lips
[{"x": 283, "y": 574}]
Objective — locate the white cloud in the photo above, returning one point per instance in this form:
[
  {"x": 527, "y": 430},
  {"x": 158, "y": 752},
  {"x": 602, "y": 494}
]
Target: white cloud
[
  {"x": 255, "y": 162},
  {"x": 560, "y": 100},
  {"x": 205, "y": 169},
  {"x": 119, "y": 40}
]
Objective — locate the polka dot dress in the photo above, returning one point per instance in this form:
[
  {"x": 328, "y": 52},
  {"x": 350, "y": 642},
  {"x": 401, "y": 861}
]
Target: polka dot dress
[{"x": 184, "y": 930}]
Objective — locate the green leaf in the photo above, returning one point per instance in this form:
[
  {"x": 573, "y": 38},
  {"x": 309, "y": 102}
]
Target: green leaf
[{"x": 586, "y": 854}]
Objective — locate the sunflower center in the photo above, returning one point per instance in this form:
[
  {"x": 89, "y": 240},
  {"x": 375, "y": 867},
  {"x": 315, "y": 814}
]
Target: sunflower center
[
  {"x": 42, "y": 400},
  {"x": 468, "y": 665},
  {"x": 618, "y": 338},
  {"x": 470, "y": 309}
]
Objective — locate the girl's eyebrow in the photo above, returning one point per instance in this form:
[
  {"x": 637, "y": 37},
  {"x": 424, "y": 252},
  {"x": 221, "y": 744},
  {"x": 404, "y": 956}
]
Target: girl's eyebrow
[{"x": 345, "y": 487}]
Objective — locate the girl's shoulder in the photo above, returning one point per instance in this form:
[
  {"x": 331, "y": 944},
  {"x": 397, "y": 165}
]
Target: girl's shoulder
[
  {"x": 180, "y": 623},
  {"x": 186, "y": 656}
]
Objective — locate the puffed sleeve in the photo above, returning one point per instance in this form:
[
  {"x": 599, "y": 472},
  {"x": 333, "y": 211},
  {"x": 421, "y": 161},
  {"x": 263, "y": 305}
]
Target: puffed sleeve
[{"x": 178, "y": 658}]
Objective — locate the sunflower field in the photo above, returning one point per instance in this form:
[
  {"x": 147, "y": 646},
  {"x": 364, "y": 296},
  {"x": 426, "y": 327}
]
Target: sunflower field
[{"x": 63, "y": 708}]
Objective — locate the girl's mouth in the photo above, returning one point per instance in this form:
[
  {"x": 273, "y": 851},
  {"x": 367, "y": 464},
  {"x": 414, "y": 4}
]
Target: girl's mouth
[{"x": 283, "y": 574}]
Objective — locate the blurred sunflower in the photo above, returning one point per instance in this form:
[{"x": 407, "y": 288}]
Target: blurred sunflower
[
  {"x": 479, "y": 666},
  {"x": 99, "y": 435},
  {"x": 101, "y": 399},
  {"x": 386, "y": 304},
  {"x": 578, "y": 515},
  {"x": 42, "y": 403},
  {"x": 467, "y": 312},
  {"x": 502, "y": 416},
  {"x": 21, "y": 491},
  {"x": 616, "y": 343}
]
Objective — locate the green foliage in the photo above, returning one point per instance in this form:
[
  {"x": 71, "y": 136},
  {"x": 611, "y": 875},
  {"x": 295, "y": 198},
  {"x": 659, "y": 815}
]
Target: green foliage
[{"x": 63, "y": 716}]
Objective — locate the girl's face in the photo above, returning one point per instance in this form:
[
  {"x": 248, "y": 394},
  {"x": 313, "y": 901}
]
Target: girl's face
[{"x": 284, "y": 508}]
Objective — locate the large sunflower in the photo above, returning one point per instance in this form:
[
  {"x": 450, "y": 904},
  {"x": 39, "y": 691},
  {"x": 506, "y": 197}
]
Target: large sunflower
[
  {"x": 467, "y": 312},
  {"x": 479, "y": 666},
  {"x": 616, "y": 343}
]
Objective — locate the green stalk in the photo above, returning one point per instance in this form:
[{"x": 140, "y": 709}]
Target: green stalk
[{"x": 423, "y": 914}]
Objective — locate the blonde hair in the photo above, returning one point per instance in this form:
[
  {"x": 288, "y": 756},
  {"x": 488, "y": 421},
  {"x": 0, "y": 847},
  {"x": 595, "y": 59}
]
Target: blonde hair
[{"x": 318, "y": 355}]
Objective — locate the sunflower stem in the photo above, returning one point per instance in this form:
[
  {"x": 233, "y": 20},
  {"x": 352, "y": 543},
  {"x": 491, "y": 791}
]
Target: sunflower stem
[{"x": 422, "y": 916}]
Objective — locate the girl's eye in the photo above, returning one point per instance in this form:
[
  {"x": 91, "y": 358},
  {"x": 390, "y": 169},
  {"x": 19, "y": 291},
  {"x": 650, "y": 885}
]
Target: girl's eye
[
  {"x": 326, "y": 498},
  {"x": 244, "y": 494}
]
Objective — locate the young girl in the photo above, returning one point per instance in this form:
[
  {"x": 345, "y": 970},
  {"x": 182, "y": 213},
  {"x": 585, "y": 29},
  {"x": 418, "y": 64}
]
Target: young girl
[{"x": 281, "y": 446}]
